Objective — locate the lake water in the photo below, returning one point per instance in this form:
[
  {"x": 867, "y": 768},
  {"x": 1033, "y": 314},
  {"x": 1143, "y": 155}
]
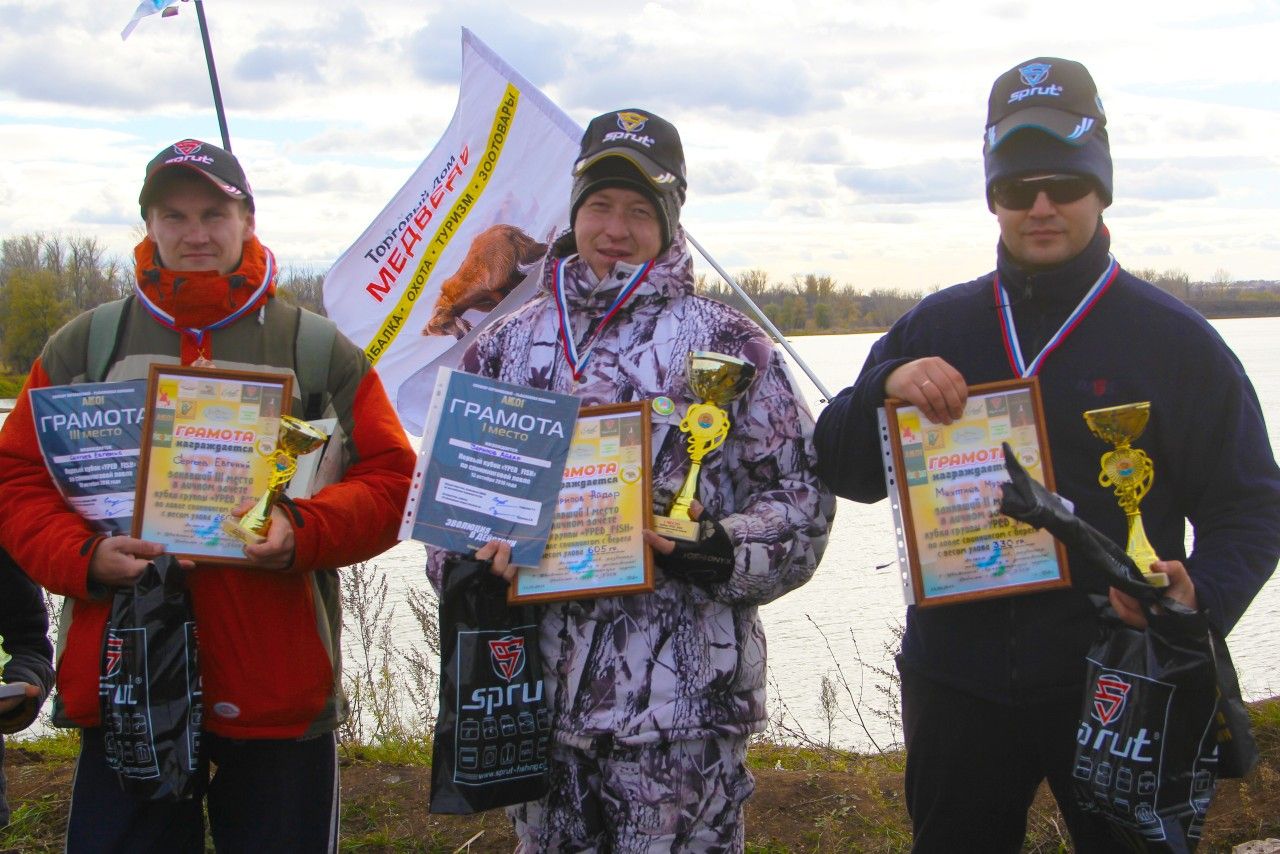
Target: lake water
[
  {"x": 848, "y": 612},
  {"x": 842, "y": 621}
]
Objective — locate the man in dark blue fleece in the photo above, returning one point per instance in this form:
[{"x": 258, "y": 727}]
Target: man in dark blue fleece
[{"x": 991, "y": 689}]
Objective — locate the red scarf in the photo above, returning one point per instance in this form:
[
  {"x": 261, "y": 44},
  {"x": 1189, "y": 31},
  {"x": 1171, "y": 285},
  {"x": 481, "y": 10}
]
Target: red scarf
[{"x": 197, "y": 300}]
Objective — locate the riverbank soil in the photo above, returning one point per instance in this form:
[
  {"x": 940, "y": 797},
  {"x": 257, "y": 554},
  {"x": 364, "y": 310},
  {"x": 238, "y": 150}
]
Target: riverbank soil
[{"x": 805, "y": 801}]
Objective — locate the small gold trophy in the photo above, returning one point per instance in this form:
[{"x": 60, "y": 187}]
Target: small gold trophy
[
  {"x": 297, "y": 438},
  {"x": 1129, "y": 472},
  {"x": 717, "y": 379}
]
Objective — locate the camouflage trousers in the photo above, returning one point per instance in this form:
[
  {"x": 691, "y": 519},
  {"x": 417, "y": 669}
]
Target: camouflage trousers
[{"x": 666, "y": 796}]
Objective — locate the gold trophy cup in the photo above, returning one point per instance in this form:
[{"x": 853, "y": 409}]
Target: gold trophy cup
[
  {"x": 1129, "y": 471},
  {"x": 716, "y": 379},
  {"x": 297, "y": 438}
]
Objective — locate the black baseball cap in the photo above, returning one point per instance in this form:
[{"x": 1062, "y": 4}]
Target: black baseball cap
[
  {"x": 650, "y": 142},
  {"x": 216, "y": 164},
  {"x": 1057, "y": 96},
  {"x": 633, "y": 148},
  {"x": 1044, "y": 116}
]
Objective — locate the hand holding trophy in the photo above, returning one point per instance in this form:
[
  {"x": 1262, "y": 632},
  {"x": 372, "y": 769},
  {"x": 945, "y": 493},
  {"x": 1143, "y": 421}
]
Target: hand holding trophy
[
  {"x": 1129, "y": 471},
  {"x": 297, "y": 438},
  {"x": 717, "y": 380}
]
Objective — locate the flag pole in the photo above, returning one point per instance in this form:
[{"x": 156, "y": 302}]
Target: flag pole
[
  {"x": 760, "y": 315},
  {"x": 213, "y": 76}
]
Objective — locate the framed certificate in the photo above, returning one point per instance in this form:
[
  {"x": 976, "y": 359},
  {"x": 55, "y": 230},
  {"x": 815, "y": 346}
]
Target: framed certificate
[
  {"x": 596, "y": 547},
  {"x": 206, "y": 445},
  {"x": 958, "y": 546}
]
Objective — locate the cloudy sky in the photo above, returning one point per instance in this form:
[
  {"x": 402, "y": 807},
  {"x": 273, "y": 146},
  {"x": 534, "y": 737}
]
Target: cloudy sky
[{"x": 828, "y": 137}]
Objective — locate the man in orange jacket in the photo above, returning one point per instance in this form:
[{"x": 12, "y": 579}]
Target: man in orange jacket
[{"x": 270, "y": 660}]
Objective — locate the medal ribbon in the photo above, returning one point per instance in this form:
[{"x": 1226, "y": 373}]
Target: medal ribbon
[
  {"x": 1013, "y": 348},
  {"x": 577, "y": 355},
  {"x": 165, "y": 319}
]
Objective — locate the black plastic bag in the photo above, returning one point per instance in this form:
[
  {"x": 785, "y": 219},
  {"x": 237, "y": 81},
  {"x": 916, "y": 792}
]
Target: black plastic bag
[
  {"x": 149, "y": 690},
  {"x": 490, "y": 747},
  {"x": 1146, "y": 752},
  {"x": 1161, "y": 718}
]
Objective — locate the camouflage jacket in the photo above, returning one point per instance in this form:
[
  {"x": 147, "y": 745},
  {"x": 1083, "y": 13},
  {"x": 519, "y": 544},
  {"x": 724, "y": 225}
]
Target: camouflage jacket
[{"x": 681, "y": 662}]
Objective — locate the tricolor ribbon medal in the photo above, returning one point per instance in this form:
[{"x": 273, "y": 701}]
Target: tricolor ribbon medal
[
  {"x": 578, "y": 354},
  {"x": 1013, "y": 347},
  {"x": 166, "y": 319}
]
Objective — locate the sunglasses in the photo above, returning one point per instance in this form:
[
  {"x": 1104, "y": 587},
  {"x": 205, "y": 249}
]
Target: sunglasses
[{"x": 1019, "y": 194}]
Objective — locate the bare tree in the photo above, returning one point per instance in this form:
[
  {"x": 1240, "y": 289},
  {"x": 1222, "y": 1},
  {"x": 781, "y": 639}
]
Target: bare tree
[
  {"x": 302, "y": 287},
  {"x": 753, "y": 282}
]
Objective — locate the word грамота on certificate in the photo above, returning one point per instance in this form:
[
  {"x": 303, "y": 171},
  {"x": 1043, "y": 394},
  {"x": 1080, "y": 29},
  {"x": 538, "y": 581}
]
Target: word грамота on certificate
[{"x": 490, "y": 465}]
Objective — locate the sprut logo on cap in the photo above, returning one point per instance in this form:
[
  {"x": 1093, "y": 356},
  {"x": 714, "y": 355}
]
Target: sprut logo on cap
[
  {"x": 1035, "y": 73},
  {"x": 188, "y": 151},
  {"x": 631, "y": 124}
]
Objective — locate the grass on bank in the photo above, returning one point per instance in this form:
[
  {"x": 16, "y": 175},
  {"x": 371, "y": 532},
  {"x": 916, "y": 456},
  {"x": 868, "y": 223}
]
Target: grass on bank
[
  {"x": 810, "y": 795},
  {"x": 11, "y": 384},
  {"x": 808, "y": 799}
]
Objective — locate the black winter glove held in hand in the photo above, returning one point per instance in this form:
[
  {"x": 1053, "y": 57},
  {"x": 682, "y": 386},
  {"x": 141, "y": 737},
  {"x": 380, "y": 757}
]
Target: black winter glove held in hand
[{"x": 708, "y": 561}]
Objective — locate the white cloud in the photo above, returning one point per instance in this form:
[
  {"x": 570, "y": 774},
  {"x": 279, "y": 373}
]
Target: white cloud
[
  {"x": 821, "y": 147},
  {"x": 842, "y": 136},
  {"x": 723, "y": 178},
  {"x": 1165, "y": 184},
  {"x": 935, "y": 181},
  {"x": 811, "y": 209},
  {"x": 537, "y": 50}
]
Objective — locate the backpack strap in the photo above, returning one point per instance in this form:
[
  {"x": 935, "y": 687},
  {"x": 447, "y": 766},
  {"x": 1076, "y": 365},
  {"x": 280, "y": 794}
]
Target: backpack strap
[
  {"x": 312, "y": 351},
  {"x": 104, "y": 333}
]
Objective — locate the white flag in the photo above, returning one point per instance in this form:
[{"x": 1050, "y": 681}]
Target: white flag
[
  {"x": 430, "y": 267},
  {"x": 145, "y": 8}
]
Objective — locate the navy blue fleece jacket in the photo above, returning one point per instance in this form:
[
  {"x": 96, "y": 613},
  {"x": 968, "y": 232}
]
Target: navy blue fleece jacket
[{"x": 1206, "y": 436}]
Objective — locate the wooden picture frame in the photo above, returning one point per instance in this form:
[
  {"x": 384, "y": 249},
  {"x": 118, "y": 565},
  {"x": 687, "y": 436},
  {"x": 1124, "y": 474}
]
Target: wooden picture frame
[
  {"x": 206, "y": 441},
  {"x": 958, "y": 547},
  {"x": 596, "y": 547}
]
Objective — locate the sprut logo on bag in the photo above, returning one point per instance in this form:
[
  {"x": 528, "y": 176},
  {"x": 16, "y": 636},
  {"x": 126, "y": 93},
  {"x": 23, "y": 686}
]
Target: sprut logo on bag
[
  {"x": 1120, "y": 749},
  {"x": 1113, "y": 736},
  {"x": 503, "y": 724},
  {"x": 126, "y": 728},
  {"x": 1109, "y": 694},
  {"x": 490, "y": 744},
  {"x": 508, "y": 657},
  {"x": 130, "y": 716}
]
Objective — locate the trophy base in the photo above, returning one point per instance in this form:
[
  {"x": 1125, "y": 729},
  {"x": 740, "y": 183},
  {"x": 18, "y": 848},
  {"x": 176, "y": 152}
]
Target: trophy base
[
  {"x": 685, "y": 530},
  {"x": 232, "y": 526}
]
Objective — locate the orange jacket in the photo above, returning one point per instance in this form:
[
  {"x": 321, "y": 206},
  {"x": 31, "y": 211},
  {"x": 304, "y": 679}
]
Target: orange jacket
[{"x": 269, "y": 640}]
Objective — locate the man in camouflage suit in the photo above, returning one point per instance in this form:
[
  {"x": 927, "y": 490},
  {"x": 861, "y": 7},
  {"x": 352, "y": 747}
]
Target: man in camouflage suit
[{"x": 655, "y": 695}]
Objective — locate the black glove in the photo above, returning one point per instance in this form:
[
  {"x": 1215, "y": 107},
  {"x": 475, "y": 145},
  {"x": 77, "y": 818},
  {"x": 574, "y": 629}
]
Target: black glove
[
  {"x": 706, "y": 562},
  {"x": 1104, "y": 562}
]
